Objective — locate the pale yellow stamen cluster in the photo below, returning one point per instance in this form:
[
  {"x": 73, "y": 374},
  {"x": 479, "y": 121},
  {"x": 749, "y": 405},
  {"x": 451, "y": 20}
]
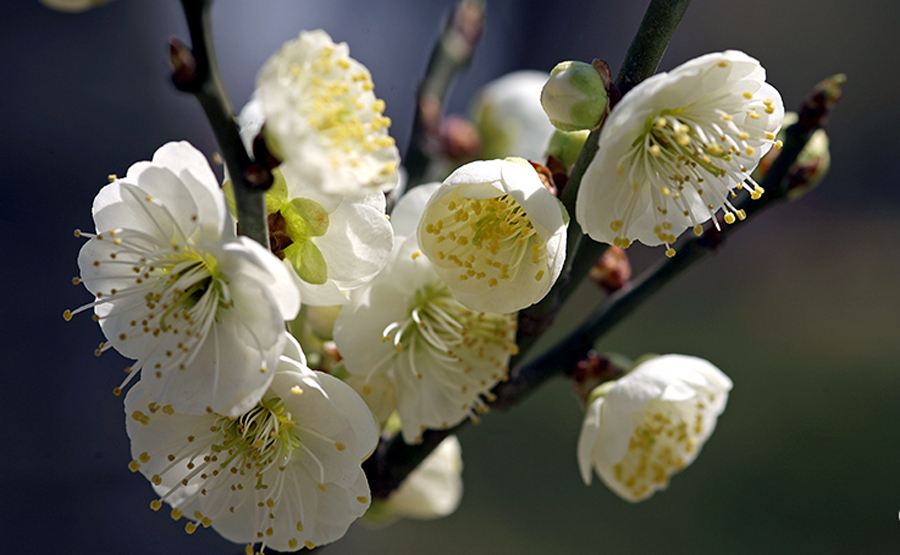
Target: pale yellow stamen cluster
[
  {"x": 465, "y": 351},
  {"x": 240, "y": 459},
  {"x": 490, "y": 240},
  {"x": 661, "y": 445},
  {"x": 179, "y": 287},
  {"x": 334, "y": 96}
]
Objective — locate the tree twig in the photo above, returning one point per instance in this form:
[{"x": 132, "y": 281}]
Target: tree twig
[
  {"x": 394, "y": 460},
  {"x": 196, "y": 71},
  {"x": 642, "y": 59},
  {"x": 452, "y": 53}
]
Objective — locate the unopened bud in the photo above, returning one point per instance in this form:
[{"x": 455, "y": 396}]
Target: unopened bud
[
  {"x": 460, "y": 139},
  {"x": 566, "y": 146},
  {"x": 613, "y": 270},
  {"x": 809, "y": 169},
  {"x": 575, "y": 96}
]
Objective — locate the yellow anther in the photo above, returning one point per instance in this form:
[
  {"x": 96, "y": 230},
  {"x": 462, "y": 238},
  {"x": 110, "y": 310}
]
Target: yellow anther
[
  {"x": 748, "y": 95},
  {"x": 729, "y": 218},
  {"x": 339, "y": 446},
  {"x": 698, "y": 230},
  {"x": 190, "y": 527},
  {"x": 297, "y": 390},
  {"x": 156, "y": 504},
  {"x": 670, "y": 252}
]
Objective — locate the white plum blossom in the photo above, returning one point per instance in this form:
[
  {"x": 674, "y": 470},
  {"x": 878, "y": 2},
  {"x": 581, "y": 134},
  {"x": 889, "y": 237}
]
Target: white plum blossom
[
  {"x": 201, "y": 311},
  {"x": 434, "y": 489},
  {"x": 643, "y": 428},
  {"x": 509, "y": 116},
  {"x": 495, "y": 234},
  {"x": 412, "y": 347},
  {"x": 323, "y": 120},
  {"x": 676, "y": 147},
  {"x": 285, "y": 474}
]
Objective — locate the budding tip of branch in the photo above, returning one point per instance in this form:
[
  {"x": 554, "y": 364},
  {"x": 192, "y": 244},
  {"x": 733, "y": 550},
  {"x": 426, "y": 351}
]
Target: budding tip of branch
[{"x": 184, "y": 65}]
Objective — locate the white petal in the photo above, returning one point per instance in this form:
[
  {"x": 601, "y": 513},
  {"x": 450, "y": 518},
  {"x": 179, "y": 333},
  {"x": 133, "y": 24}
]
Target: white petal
[
  {"x": 587, "y": 439},
  {"x": 406, "y": 214}
]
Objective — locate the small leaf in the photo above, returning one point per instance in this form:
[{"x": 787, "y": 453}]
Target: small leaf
[{"x": 308, "y": 262}]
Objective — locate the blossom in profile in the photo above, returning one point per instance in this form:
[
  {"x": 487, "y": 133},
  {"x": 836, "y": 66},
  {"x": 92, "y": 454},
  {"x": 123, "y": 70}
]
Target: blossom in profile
[
  {"x": 434, "y": 489},
  {"x": 323, "y": 120},
  {"x": 643, "y": 428},
  {"x": 201, "y": 311},
  {"x": 676, "y": 148},
  {"x": 495, "y": 234},
  {"x": 510, "y": 119},
  {"x": 410, "y": 346},
  {"x": 285, "y": 474}
]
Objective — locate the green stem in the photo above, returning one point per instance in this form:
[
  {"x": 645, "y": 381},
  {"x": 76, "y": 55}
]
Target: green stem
[
  {"x": 201, "y": 77},
  {"x": 643, "y": 57}
]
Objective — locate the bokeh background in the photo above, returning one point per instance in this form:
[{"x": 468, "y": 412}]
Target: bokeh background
[{"x": 800, "y": 308}]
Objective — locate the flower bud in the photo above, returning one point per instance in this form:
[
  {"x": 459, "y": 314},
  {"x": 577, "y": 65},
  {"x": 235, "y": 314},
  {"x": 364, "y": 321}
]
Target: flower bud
[
  {"x": 567, "y": 146},
  {"x": 811, "y": 165},
  {"x": 575, "y": 96}
]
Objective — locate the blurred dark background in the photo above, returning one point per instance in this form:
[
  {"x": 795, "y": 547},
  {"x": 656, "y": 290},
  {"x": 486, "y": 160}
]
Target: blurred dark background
[{"x": 800, "y": 308}]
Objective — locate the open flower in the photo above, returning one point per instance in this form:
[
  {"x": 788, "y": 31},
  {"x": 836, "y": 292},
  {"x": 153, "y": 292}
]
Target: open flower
[
  {"x": 200, "y": 310},
  {"x": 651, "y": 423},
  {"x": 509, "y": 116},
  {"x": 286, "y": 473},
  {"x": 415, "y": 348},
  {"x": 323, "y": 120},
  {"x": 495, "y": 235},
  {"x": 676, "y": 147}
]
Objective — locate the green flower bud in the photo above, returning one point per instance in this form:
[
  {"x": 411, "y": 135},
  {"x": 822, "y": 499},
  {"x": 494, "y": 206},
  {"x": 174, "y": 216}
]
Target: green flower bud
[
  {"x": 567, "y": 145},
  {"x": 575, "y": 96}
]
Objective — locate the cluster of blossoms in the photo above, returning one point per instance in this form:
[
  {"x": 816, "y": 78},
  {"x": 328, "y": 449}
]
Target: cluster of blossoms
[{"x": 228, "y": 421}]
